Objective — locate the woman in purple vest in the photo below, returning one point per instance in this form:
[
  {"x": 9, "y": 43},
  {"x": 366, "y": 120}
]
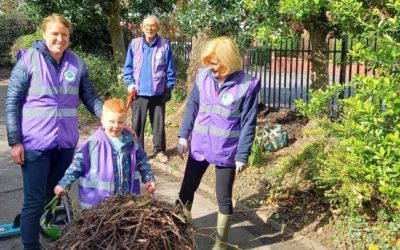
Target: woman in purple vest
[
  {"x": 219, "y": 124},
  {"x": 42, "y": 118}
]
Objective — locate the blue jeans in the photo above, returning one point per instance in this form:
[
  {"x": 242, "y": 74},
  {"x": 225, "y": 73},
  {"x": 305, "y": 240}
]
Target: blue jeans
[{"x": 41, "y": 172}]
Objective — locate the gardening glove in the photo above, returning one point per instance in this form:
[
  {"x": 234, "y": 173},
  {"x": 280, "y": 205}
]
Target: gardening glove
[
  {"x": 131, "y": 88},
  {"x": 182, "y": 146},
  {"x": 240, "y": 166},
  {"x": 167, "y": 95}
]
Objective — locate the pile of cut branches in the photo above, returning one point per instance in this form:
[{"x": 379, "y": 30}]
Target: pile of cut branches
[{"x": 128, "y": 222}]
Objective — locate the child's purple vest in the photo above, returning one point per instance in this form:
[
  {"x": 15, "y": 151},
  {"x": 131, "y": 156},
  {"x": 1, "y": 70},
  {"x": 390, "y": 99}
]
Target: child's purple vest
[
  {"x": 49, "y": 112},
  {"x": 158, "y": 63},
  {"x": 97, "y": 180},
  {"x": 217, "y": 126}
]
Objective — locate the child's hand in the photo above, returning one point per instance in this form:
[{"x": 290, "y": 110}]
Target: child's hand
[
  {"x": 59, "y": 191},
  {"x": 151, "y": 187}
]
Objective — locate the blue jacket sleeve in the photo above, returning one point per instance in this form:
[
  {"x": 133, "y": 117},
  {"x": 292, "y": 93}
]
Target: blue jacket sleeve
[
  {"x": 17, "y": 90},
  {"x": 74, "y": 171},
  {"x": 171, "y": 73},
  {"x": 143, "y": 165},
  {"x": 128, "y": 67},
  {"x": 88, "y": 94},
  {"x": 192, "y": 108},
  {"x": 248, "y": 121}
]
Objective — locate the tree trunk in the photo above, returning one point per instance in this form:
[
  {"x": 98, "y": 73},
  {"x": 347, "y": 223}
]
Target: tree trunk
[
  {"x": 198, "y": 42},
  {"x": 319, "y": 56},
  {"x": 117, "y": 40}
]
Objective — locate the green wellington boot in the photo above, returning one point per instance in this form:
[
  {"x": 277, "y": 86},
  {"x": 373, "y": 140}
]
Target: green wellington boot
[{"x": 223, "y": 227}]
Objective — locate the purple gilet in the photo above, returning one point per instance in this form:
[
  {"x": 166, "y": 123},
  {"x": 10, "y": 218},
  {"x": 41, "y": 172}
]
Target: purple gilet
[
  {"x": 97, "y": 179},
  {"x": 217, "y": 126},
  {"x": 49, "y": 112},
  {"x": 158, "y": 65}
]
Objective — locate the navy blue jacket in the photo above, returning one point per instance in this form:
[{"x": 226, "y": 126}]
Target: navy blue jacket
[{"x": 18, "y": 89}]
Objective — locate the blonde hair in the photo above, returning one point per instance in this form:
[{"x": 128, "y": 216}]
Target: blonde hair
[
  {"x": 54, "y": 18},
  {"x": 115, "y": 105},
  {"x": 226, "y": 51}
]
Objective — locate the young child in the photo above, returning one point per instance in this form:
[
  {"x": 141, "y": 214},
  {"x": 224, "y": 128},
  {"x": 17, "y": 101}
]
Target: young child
[{"x": 109, "y": 161}]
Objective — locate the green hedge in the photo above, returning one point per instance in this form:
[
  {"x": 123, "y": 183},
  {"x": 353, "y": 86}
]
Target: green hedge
[
  {"x": 24, "y": 42},
  {"x": 105, "y": 76},
  {"x": 12, "y": 26}
]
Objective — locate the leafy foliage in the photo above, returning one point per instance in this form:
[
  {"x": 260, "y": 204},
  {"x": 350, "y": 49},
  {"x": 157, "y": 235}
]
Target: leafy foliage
[
  {"x": 320, "y": 102},
  {"x": 13, "y": 25},
  {"x": 87, "y": 17},
  {"x": 24, "y": 42},
  {"x": 360, "y": 170},
  {"x": 104, "y": 77},
  {"x": 258, "y": 154},
  {"x": 213, "y": 17},
  {"x": 90, "y": 18}
]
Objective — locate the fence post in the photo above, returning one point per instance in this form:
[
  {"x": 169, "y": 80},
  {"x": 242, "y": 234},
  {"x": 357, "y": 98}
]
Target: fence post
[{"x": 343, "y": 57}]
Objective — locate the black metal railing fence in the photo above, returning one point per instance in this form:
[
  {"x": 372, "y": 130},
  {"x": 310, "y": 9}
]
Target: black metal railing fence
[{"x": 285, "y": 69}]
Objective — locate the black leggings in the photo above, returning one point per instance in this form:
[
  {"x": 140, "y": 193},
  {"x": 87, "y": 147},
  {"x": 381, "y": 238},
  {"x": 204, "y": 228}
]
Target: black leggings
[{"x": 224, "y": 182}]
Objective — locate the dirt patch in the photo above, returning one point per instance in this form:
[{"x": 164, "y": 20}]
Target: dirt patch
[{"x": 287, "y": 118}]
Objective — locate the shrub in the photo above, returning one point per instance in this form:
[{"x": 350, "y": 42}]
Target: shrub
[
  {"x": 358, "y": 164},
  {"x": 179, "y": 92},
  {"x": 24, "y": 42},
  {"x": 12, "y": 26},
  {"x": 320, "y": 101},
  {"x": 105, "y": 78},
  {"x": 258, "y": 154}
]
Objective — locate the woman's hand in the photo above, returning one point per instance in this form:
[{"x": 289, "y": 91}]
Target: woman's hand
[
  {"x": 59, "y": 191},
  {"x": 18, "y": 153},
  {"x": 240, "y": 166},
  {"x": 182, "y": 146}
]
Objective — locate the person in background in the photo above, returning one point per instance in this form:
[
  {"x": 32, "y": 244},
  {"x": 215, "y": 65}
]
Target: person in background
[
  {"x": 42, "y": 117},
  {"x": 150, "y": 71},
  {"x": 110, "y": 161},
  {"x": 219, "y": 124}
]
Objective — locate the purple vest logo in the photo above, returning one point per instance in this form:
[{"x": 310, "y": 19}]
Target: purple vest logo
[{"x": 69, "y": 76}]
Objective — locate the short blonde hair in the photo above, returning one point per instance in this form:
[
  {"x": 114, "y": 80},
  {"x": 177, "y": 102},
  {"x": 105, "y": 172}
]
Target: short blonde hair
[
  {"x": 226, "y": 51},
  {"x": 115, "y": 105},
  {"x": 54, "y": 18}
]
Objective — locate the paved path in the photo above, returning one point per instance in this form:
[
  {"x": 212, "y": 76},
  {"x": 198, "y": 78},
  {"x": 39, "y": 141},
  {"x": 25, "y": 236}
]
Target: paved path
[{"x": 246, "y": 233}]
